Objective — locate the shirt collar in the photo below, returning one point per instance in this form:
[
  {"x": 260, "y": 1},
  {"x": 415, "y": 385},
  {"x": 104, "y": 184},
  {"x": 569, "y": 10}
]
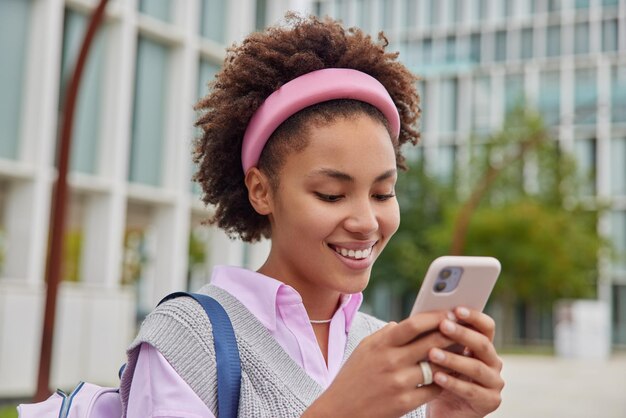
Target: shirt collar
[{"x": 262, "y": 295}]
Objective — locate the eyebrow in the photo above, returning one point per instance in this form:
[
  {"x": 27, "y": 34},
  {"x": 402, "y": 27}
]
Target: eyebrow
[{"x": 341, "y": 176}]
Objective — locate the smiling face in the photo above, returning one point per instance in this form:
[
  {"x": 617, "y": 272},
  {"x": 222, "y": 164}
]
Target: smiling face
[{"x": 334, "y": 209}]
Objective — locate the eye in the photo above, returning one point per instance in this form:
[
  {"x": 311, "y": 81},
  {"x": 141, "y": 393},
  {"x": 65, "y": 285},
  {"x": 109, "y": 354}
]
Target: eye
[
  {"x": 328, "y": 197},
  {"x": 383, "y": 197}
]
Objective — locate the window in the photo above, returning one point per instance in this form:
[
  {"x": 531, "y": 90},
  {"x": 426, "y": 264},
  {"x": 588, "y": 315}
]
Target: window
[
  {"x": 149, "y": 114},
  {"x": 386, "y": 13},
  {"x": 513, "y": 91},
  {"x": 159, "y": 9},
  {"x": 446, "y": 163},
  {"x": 619, "y": 314},
  {"x": 213, "y": 19},
  {"x": 526, "y": 50},
  {"x": 481, "y": 106},
  {"x": 448, "y": 105},
  {"x": 427, "y": 51},
  {"x": 550, "y": 96},
  {"x": 475, "y": 49},
  {"x": 85, "y": 136},
  {"x": 553, "y": 41},
  {"x": 455, "y": 11},
  {"x": 582, "y": 4},
  {"x": 618, "y": 93},
  {"x": 554, "y": 5},
  {"x": 260, "y": 14},
  {"x": 585, "y": 96},
  {"x": 421, "y": 89},
  {"x": 609, "y": 35},
  {"x": 610, "y": 2},
  {"x": 450, "y": 49},
  {"x": 581, "y": 38},
  {"x": 14, "y": 25},
  {"x": 618, "y": 168},
  {"x": 410, "y": 14},
  {"x": 586, "y": 164},
  {"x": 618, "y": 237},
  {"x": 500, "y": 53}
]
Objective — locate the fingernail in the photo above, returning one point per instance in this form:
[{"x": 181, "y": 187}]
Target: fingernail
[
  {"x": 437, "y": 355},
  {"x": 441, "y": 378},
  {"x": 451, "y": 316},
  {"x": 448, "y": 326},
  {"x": 463, "y": 312}
]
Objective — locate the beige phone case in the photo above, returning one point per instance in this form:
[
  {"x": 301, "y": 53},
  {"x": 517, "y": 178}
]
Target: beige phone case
[{"x": 475, "y": 285}]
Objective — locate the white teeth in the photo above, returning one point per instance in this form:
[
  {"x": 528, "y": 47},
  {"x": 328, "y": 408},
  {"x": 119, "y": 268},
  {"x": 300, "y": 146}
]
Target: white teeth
[{"x": 358, "y": 254}]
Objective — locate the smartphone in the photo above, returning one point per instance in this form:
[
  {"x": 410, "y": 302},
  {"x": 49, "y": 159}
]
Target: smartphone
[{"x": 453, "y": 281}]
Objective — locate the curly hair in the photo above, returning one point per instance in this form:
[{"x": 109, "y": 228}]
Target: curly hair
[{"x": 255, "y": 69}]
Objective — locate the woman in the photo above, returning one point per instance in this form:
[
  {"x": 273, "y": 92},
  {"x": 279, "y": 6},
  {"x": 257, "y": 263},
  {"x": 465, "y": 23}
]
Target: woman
[{"x": 301, "y": 142}]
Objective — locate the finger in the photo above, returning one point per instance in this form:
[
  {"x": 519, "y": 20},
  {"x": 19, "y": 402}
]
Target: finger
[
  {"x": 481, "y": 346},
  {"x": 417, "y": 350},
  {"x": 472, "y": 368},
  {"x": 484, "y": 400},
  {"x": 483, "y": 323},
  {"x": 409, "y": 329}
]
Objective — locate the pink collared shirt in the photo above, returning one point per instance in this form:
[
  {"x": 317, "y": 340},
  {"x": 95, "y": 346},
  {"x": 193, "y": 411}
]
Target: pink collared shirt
[{"x": 157, "y": 391}]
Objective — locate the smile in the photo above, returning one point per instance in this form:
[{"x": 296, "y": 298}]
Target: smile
[{"x": 356, "y": 255}]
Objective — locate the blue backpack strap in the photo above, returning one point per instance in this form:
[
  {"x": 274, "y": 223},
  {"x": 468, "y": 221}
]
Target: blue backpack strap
[{"x": 227, "y": 358}]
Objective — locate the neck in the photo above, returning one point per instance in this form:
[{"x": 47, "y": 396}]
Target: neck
[{"x": 320, "y": 303}]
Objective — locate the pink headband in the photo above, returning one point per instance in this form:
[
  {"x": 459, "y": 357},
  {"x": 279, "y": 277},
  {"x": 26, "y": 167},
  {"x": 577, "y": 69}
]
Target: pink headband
[{"x": 309, "y": 89}]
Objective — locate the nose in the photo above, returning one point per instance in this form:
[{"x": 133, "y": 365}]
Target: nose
[{"x": 362, "y": 218}]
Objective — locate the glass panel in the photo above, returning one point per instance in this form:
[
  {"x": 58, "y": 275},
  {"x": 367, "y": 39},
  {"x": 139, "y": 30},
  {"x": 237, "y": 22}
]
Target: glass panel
[
  {"x": 447, "y": 105},
  {"x": 553, "y": 41},
  {"x": 455, "y": 11},
  {"x": 213, "y": 19},
  {"x": 586, "y": 164},
  {"x": 498, "y": 9},
  {"x": 474, "y": 11},
  {"x": 554, "y": 5},
  {"x": 149, "y": 112},
  {"x": 386, "y": 13},
  {"x": 508, "y": 8},
  {"x": 550, "y": 97},
  {"x": 421, "y": 89},
  {"x": 446, "y": 163},
  {"x": 609, "y": 35},
  {"x": 618, "y": 93},
  {"x": 427, "y": 6},
  {"x": 586, "y": 96},
  {"x": 260, "y": 14},
  {"x": 160, "y": 9},
  {"x": 581, "y": 38},
  {"x": 513, "y": 91},
  {"x": 482, "y": 103},
  {"x": 610, "y": 2},
  {"x": 582, "y": 4},
  {"x": 618, "y": 237},
  {"x": 500, "y": 53},
  {"x": 427, "y": 51},
  {"x": 526, "y": 50},
  {"x": 475, "y": 48},
  {"x": 618, "y": 166},
  {"x": 619, "y": 314},
  {"x": 450, "y": 49},
  {"x": 14, "y": 25},
  {"x": 85, "y": 136},
  {"x": 364, "y": 15}
]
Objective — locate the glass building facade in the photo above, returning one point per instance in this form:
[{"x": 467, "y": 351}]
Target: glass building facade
[{"x": 566, "y": 58}]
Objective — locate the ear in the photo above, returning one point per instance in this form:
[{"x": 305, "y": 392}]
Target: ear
[{"x": 259, "y": 191}]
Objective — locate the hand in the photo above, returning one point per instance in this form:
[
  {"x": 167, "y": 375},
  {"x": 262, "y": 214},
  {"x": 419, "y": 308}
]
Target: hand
[
  {"x": 381, "y": 376},
  {"x": 472, "y": 386}
]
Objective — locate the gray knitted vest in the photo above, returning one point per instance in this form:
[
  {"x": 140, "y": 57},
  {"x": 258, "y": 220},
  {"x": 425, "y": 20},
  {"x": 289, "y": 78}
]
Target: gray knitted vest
[{"x": 272, "y": 384}]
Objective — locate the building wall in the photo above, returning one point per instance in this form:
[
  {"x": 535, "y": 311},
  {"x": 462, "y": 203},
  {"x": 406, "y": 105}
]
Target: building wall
[
  {"x": 478, "y": 57},
  {"x": 134, "y": 225}
]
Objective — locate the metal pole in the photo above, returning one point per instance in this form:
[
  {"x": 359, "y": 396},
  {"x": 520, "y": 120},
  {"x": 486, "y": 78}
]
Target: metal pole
[{"x": 57, "y": 218}]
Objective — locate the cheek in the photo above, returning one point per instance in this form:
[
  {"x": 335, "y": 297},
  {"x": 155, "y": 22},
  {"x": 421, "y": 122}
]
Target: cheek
[{"x": 390, "y": 221}]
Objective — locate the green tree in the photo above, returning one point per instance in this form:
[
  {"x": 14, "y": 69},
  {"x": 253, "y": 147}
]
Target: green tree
[{"x": 517, "y": 201}]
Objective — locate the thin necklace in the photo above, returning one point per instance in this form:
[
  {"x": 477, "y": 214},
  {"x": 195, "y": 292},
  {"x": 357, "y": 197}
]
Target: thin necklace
[{"x": 320, "y": 321}]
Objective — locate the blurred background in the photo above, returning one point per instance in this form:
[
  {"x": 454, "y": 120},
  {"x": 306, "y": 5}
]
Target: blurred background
[{"x": 522, "y": 157}]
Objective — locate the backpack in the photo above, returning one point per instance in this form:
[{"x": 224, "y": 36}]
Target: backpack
[{"x": 92, "y": 401}]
